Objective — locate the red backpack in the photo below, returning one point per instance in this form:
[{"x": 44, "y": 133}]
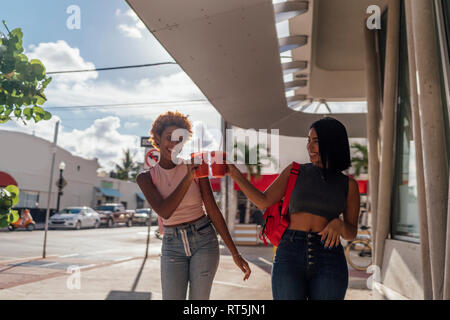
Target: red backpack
[{"x": 276, "y": 217}]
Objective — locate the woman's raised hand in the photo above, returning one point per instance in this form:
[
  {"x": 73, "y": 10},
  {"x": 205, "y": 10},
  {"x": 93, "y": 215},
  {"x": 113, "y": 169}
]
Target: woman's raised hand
[
  {"x": 231, "y": 169},
  {"x": 191, "y": 167}
]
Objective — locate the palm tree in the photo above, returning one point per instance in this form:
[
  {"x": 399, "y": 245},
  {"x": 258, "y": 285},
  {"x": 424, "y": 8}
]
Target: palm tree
[
  {"x": 361, "y": 164},
  {"x": 128, "y": 166},
  {"x": 253, "y": 169}
]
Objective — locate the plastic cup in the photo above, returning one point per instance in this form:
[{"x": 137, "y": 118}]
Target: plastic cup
[
  {"x": 203, "y": 170},
  {"x": 218, "y": 163}
]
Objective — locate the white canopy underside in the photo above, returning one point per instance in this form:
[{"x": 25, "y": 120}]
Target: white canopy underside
[{"x": 230, "y": 50}]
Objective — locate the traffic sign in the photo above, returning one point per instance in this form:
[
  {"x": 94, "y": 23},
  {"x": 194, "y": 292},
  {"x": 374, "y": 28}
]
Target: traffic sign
[
  {"x": 151, "y": 157},
  {"x": 146, "y": 143}
]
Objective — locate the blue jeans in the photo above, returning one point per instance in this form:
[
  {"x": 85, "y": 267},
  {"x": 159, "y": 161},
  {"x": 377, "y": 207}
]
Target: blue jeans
[
  {"x": 190, "y": 255},
  {"x": 304, "y": 269}
]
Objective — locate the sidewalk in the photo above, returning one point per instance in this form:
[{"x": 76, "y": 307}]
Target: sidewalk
[{"x": 138, "y": 279}]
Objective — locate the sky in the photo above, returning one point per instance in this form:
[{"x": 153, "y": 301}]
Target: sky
[{"x": 110, "y": 35}]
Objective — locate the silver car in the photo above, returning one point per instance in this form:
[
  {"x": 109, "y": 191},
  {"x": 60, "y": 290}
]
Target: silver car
[
  {"x": 145, "y": 216},
  {"x": 75, "y": 218}
]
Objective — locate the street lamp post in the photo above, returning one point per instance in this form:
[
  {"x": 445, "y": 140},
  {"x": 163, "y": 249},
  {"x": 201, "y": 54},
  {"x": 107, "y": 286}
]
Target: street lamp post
[{"x": 62, "y": 166}]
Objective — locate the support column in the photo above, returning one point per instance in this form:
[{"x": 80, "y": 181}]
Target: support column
[
  {"x": 388, "y": 129},
  {"x": 421, "y": 199},
  {"x": 433, "y": 136},
  {"x": 373, "y": 95}
]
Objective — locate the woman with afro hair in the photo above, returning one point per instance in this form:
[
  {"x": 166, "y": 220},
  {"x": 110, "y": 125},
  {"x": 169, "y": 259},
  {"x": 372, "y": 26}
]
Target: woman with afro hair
[{"x": 190, "y": 248}]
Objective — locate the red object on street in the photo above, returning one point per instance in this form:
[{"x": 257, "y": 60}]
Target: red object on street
[
  {"x": 261, "y": 183},
  {"x": 7, "y": 180},
  {"x": 362, "y": 186},
  {"x": 215, "y": 184}
]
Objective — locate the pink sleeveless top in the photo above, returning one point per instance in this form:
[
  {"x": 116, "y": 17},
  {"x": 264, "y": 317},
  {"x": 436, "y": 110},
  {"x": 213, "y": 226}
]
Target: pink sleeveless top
[{"x": 166, "y": 181}]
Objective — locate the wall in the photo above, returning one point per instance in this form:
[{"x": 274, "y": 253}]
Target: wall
[
  {"x": 29, "y": 162},
  {"x": 401, "y": 273}
]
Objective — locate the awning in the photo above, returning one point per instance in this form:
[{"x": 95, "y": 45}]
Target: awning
[
  {"x": 6, "y": 180},
  {"x": 140, "y": 195},
  {"x": 261, "y": 183},
  {"x": 110, "y": 192}
]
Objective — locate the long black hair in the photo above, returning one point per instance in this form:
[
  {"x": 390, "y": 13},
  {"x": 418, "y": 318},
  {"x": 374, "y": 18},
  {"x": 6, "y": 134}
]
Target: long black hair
[{"x": 334, "y": 147}]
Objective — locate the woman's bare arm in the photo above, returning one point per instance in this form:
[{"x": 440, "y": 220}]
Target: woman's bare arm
[
  {"x": 165, "y": 207},
  {"x": 351, "y": 212},
  {"x": 219, "y": 223},
  {"x": 265, "y": 199},
  {"x": 347, "y": 228}
]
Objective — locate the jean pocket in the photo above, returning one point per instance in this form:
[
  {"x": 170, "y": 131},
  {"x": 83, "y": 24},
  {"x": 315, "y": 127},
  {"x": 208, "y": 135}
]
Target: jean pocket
[
  {"x": 206, "y": 230},
  {"x": 168, "y": 237}
]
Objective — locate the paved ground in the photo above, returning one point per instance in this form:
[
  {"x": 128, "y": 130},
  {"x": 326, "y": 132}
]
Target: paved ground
[{"x": 109, "y": 264}]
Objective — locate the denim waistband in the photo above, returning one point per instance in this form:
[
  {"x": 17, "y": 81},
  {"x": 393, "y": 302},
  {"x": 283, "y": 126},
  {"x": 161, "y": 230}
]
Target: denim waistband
[
  {"x": 300, "y": 234},
  {"x": 194, "y": 226}
]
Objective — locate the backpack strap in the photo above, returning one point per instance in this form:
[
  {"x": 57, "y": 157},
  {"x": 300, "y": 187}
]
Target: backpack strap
[{"x": 295, "y": 171}]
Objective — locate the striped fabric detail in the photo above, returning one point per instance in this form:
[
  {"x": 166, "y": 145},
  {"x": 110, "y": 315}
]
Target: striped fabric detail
[{"x": 185, "y": 243}]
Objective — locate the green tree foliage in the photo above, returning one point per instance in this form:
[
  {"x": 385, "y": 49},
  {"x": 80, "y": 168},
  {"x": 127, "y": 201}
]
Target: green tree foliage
[
  {"x": 242, "y": 154},
  {"x": 361, "y": 160},
  {"x": 22, "y": 82},
  {"x": 127, "y": 169},
  {"x": 9, "y": 197}
]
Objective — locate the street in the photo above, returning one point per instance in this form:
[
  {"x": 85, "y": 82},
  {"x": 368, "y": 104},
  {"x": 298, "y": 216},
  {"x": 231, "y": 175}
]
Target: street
[{"x": 111, "y": 265}]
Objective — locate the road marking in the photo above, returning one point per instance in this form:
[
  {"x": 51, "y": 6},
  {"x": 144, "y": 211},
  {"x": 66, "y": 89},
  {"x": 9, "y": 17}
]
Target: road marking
[
  {"x": 18, "y": 260},
  {"x": 49, "y": 264},
  {"x": 99, "y": 252},
  {"x": 69, "y": 255},
  {"x": 87, "y": 266},
  {"x": 122, "y": 259},
  {"x": 265, "y": 261},
  {"x": 230, "y": 284}
]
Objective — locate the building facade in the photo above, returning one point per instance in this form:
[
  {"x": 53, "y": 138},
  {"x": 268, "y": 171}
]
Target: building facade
[{"x": 28, "y": 162}]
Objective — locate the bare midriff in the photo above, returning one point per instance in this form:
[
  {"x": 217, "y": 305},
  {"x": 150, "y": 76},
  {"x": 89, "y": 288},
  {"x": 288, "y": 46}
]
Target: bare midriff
[
  {"x": 184, "y": 223},
  {"x": 305, "y": 221}
]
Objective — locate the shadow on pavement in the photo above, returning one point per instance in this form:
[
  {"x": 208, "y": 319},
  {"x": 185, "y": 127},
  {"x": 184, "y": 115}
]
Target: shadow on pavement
[
  {"x": 128, "y": 295},
  {"x": 133, "y": 295}
]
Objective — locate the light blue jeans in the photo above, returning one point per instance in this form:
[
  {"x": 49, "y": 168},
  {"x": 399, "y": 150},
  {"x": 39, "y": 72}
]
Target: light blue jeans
[{"x": 190, "y": 255}]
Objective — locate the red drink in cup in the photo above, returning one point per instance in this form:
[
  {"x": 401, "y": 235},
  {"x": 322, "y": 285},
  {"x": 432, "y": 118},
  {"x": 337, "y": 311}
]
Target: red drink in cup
[
  {"x": 218, "y": 163},
  {"x": 202, "y": 170}
]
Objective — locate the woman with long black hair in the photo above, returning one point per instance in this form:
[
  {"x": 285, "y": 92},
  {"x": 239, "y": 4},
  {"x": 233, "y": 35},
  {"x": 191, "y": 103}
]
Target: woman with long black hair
[{"x": 310, "y": 261}]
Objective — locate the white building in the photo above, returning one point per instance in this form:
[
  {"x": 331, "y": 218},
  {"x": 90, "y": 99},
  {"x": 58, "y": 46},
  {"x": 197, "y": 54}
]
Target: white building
[{"x": 28, "y": 162}]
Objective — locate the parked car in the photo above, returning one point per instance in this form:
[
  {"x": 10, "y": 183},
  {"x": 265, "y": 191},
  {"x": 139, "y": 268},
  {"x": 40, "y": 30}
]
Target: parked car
[
  {"x": 113, "y": 213},
  {"x": 75, "y": 218},
  {"x": 145, "y": 216}
]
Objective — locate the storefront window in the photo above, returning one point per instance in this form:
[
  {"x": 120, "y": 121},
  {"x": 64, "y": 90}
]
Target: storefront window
[
  {"x": 405, "y": 217},
  {"x": 28, "y": 199}
]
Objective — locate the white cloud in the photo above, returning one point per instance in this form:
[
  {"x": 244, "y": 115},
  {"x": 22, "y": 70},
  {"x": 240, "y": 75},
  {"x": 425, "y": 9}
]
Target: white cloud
[
  {"x": 133, "y": 28},
  {"x": 130, "y": 31},
  {"x": 101, "y": 140},
  {"x": 59, "y": 56},
  {"x": 130, "y": 125},
  {"x": 84, "y": 88}
]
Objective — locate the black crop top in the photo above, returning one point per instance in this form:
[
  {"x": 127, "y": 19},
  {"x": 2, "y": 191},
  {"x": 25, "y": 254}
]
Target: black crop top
[{"x": 313, "y": 194}]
